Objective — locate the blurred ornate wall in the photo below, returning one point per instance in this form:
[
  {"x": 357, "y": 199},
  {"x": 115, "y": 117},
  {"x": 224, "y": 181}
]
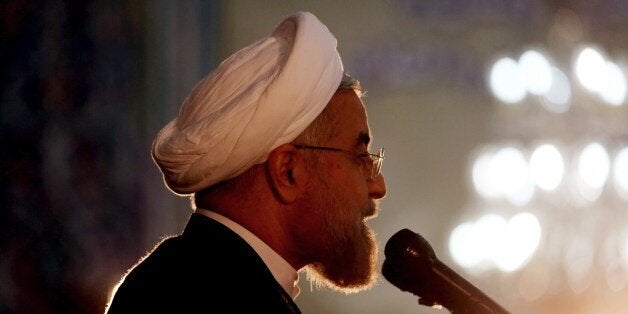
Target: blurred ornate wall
[{"x": 84, "y": 87}]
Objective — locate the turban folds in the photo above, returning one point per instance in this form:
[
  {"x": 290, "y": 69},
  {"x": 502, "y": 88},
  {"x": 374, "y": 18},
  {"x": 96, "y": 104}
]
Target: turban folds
[{"x": 262, "y": 96}]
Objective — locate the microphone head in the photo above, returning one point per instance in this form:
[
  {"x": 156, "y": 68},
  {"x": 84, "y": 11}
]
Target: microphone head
[
  {"x": 407, "y": 244},
  {"x": 408, "y": 265}
]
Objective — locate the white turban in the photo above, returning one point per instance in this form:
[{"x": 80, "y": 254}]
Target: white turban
[{"x": 262, "y": 96}]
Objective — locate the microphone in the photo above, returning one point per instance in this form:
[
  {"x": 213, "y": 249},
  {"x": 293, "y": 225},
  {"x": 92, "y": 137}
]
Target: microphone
[{"x": 412, "y": 266}]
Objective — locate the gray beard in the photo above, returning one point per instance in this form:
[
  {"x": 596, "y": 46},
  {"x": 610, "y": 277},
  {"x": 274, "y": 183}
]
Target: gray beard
[{"x": 348, "y": 259}]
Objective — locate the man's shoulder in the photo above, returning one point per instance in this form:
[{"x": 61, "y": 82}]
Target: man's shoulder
[
  {"x": 206, "y": 248},
  {"x": 207, "y": 262}
]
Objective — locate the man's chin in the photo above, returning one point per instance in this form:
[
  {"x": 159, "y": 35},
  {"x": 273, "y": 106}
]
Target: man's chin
[
  {"x": 371, "y": 210},
  {"x": 345, "y": 285},
  {"x": 348, "y": 276}
]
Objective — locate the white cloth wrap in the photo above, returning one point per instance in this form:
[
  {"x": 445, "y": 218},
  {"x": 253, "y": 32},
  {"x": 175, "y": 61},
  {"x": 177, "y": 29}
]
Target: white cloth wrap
[{"x": 262, "y": 96}]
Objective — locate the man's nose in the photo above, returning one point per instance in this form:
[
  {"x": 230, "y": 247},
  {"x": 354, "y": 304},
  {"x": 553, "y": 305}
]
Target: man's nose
[{"x": 377, "y": 187}]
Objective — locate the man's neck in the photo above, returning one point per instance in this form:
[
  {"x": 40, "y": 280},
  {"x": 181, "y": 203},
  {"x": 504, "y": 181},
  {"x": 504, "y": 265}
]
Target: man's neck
[{"x": 283, "y": 272}]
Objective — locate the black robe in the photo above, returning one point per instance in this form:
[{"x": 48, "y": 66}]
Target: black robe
[{"x": 207, "y": 269}]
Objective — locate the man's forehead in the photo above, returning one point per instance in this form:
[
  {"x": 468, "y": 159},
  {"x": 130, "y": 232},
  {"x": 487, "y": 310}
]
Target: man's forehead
[{"x": 351, "y": 121}]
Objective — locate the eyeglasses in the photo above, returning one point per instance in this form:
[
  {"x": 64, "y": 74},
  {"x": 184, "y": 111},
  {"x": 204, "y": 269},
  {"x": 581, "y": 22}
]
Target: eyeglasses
[{"x": 372, "y": 162}]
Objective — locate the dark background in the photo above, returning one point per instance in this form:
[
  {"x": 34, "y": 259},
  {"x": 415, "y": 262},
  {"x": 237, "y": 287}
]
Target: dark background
[{"x": 76, "y": 123}]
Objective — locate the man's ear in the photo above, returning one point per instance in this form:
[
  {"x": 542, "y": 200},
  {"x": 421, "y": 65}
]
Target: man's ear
[{"x": 287, "y": 174}]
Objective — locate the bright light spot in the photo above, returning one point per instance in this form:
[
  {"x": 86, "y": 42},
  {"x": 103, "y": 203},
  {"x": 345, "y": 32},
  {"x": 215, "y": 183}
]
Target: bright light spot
[
  {"x": 593, "y": 170},
  {"x": 523, "y": 195},
  {"x": 511, "y": 171},
  {"x": 558, "y": 96},
  {"x": 546, "y": 167},
  {"x": 503, "y": 174},
  {"x": 591, "y": 69},
  {"x": 483, "y": 178},
  {"x": 492, "y": 241},
  {"x": 536, "y": 72},
  {"x": 488, "y": 234},
  {"x": 506, "y": 81},
  {"x": 614, "y": 89},
  {"x": 519, "y": 242},
  {"x": 593, "y": 165},
  {"x": 620, "y": 172},
  {"x": 461, "y": 246}
]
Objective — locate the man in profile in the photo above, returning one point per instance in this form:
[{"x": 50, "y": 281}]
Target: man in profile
[{"x": 273, "y": 148}]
